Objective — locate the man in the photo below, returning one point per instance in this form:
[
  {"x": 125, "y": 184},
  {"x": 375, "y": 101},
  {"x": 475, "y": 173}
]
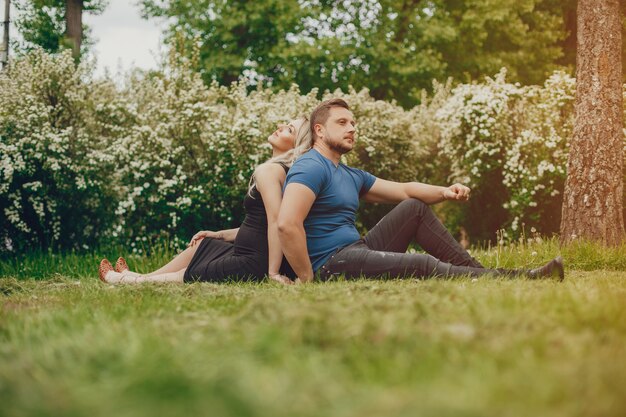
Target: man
[{"x": 318, "y": 212}]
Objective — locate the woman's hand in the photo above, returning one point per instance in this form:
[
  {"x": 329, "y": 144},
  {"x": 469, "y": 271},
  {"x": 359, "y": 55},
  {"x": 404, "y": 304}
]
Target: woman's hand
[
  {"x": 205, "y": 233},
  {"x": 281, "y": 278}
]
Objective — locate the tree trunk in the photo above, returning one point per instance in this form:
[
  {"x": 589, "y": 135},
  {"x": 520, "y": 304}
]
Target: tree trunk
[
  {"x": 592, "y": 203},
  {"x": 4, "y": 55},
  {"x": 74, "y": 24}
]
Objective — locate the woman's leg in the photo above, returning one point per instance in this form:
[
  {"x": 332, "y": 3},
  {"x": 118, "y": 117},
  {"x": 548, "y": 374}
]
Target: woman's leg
[
  {"x": 413, "y": 221},
  {"x": 126, "y": 278},
  {"x": 163, "y": 277},
  {"x": 180, "y": 261}
]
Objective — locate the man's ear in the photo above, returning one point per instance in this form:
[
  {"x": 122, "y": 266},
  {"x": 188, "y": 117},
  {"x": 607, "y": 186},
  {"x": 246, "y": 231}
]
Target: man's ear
[{"x": 319, "y": 130}]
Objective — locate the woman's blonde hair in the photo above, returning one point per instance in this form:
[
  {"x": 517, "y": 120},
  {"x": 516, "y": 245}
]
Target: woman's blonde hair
[{"x": 302, "y": 144}]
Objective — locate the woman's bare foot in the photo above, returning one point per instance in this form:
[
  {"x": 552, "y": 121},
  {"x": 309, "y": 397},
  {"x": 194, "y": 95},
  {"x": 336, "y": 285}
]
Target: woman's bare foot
[{"x": 113, "y": 277}]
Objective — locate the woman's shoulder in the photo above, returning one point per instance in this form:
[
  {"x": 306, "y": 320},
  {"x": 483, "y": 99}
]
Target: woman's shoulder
[{"x": 272, "y": 169}]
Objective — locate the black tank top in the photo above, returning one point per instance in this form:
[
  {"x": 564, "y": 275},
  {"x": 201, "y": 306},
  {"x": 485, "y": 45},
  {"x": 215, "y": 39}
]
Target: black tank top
[{"x": 251, "y": 239}]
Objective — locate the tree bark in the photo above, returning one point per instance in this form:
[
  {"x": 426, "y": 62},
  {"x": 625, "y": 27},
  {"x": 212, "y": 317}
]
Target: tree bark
[
  {"x": 4, "y": 56},
  {"x": 592, "y": 202},
  {"x": 74, "y": 24}
]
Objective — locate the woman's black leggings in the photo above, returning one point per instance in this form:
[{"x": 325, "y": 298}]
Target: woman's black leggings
[{"x": 382, "y": 252}]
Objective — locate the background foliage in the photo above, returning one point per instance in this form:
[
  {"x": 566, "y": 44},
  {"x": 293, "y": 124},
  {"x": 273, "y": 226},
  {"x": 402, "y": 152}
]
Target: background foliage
[
  {"x": 393, "y": 47},
  {"x": 163, "y": 155}
]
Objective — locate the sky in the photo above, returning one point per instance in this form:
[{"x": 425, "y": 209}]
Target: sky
[{"x": 123, "y": 38}]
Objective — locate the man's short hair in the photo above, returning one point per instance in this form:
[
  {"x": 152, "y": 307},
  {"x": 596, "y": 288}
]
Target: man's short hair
[{"x": 321, "y": 112}]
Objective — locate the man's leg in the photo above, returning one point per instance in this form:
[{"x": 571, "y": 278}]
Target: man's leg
[
  {"x": 357, "y": 260},
  {"x": 414, "y": 221}
]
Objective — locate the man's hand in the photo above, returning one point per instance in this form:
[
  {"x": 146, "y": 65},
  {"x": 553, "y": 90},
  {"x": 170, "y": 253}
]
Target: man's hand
[
  {"x": 457, "y": 192},
  {"x": 202, "y": 234}
]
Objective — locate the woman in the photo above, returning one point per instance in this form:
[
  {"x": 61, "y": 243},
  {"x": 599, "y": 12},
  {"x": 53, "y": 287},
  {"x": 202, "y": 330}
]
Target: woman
[{"x": 249, "y": 252}]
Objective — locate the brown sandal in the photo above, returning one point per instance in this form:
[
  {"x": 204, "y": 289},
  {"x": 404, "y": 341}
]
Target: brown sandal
[
  {"x": 105, "y": 268},
  {"x": 121, "y": 265}
]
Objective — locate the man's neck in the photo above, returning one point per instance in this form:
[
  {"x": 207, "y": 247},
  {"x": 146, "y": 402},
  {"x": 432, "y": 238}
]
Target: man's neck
[{"x": 325, "y": 151}]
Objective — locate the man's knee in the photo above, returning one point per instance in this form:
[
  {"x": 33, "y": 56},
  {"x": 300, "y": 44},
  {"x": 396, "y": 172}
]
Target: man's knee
[{"x": 413, "y": 205}]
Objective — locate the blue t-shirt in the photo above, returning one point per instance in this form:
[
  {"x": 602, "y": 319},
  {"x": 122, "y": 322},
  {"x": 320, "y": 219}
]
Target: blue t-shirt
[{"x": 330, "y": 224}]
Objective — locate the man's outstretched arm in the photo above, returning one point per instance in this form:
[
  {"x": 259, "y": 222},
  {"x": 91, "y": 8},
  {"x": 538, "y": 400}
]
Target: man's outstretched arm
[
  {"x": 296, "y": 204},
  {"x": 384, "y": 191}
]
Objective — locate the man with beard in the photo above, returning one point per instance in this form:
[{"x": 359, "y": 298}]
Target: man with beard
[{"x": 318, "y": 212}]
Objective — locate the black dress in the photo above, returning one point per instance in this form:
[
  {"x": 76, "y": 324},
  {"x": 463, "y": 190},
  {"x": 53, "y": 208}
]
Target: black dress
[{"x": 244, "y": 260}]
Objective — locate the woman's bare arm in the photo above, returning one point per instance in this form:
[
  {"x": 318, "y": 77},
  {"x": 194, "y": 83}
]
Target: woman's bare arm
[
  {"x": 227, "y": 235},
  {"x": 269, "y": 182}
]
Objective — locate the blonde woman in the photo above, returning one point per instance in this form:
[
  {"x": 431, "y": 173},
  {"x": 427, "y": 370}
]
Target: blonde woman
[{"x": 249, "y": 252}]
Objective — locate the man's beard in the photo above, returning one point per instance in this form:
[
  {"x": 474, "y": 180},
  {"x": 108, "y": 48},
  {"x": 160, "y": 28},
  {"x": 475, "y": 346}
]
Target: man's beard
[{"x": 338, "y": 146}]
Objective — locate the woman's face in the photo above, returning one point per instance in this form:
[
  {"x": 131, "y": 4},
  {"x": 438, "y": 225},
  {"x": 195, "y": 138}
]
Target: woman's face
[{"x": 284, "y": 138}]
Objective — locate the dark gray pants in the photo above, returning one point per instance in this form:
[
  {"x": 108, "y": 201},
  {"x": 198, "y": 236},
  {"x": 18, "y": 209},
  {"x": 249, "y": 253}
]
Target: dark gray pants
[{"x": 382, "y": 252}]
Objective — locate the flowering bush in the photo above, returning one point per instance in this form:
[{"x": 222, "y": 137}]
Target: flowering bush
[
  {"x": 186, "y": 158},
  {"x": 509, "y": 143},
  {"x": 163, "y": 155},
  {"x": 54, "y": 170},
  {"x": 535, "y": 163}
]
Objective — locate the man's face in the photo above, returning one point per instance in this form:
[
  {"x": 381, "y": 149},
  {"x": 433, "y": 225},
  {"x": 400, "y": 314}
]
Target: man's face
[{"x": 338, "y": 131}]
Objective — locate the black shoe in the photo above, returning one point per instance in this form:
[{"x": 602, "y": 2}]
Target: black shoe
[{"x": 553, "y": 269}]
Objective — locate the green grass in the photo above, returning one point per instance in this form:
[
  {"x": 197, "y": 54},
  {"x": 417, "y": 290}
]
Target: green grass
[
  {"x": 43, "y": 265},
  {"x": 70, "y": 345}
]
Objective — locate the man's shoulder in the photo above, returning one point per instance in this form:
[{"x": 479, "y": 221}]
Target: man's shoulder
[
  {"x": 354, "y": 170},
  {"x": 309, "y": 159},
  {"x": 309, "y": 170},
  {"x": 363, "y": 179}
]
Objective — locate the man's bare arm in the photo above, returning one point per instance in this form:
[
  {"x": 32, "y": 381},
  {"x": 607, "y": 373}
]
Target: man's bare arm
[
  {"x": 296, "y": 204},
  {"x": 384, "y": 191}
]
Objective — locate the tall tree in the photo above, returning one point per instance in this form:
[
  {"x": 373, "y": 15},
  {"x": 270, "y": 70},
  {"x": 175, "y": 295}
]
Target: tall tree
[
  {"x": 592, "y": 203},
  {"x": 568, "y": 44},
  {"x": 56, "y": 24},
  {"x": 4, "y": 57},
  {"x": 74, "y": 24}
]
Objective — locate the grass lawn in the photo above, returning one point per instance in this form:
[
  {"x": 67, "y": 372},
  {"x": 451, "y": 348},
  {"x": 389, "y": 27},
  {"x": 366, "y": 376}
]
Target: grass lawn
[{"x": 70, "y": 345}]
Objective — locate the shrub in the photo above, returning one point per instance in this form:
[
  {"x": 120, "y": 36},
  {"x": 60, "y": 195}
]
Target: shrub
[
  {"x": 186, "y": 159},
  {"x": 509, "y": 143},
  {"x": 163, "y": 155},
  {"x": 54, "y": 171}
]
